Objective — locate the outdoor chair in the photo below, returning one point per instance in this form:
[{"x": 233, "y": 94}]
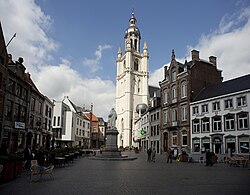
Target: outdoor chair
[
  {"x": 48, "y": 171},
  {"x": 35, "y": 170}
]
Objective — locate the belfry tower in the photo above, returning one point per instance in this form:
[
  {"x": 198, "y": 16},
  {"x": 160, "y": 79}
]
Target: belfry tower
[{"x": 131, "y": 82}]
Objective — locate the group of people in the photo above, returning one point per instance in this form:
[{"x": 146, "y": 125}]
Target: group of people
[{"x": 151, "y": 154}]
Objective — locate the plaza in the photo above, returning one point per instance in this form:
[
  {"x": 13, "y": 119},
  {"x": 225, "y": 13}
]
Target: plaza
[{"x": 87, "y": 176}]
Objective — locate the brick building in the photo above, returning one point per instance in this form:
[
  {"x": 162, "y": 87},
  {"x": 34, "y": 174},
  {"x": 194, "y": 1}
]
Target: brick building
[{"x": 181, "y": 84}]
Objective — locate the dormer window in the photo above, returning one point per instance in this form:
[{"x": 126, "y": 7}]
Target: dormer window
[{"x": 173, "y": 74}]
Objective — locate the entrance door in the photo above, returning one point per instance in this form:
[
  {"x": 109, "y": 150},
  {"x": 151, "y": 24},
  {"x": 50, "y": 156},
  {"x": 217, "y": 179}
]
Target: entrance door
[{"x": 217, "y": 148}]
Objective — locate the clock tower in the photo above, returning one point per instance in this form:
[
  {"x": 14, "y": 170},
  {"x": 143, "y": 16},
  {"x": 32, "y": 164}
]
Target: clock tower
[{"x": 131, "y": 82}]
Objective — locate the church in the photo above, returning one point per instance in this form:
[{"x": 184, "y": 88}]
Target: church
[{"x": 131, "y": 82}]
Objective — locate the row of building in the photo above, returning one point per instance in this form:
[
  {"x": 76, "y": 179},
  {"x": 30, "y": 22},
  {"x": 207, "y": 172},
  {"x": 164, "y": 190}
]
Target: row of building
[
  {"x": 192, "y": 109},
  {"x": 27, "y": 117}
]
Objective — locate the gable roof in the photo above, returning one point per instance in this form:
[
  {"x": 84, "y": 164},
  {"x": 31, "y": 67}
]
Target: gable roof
[{"x": 227, "y": 87}]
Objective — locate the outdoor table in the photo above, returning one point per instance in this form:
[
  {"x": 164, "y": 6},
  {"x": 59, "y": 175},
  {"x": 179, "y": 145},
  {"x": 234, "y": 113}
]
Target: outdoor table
[{"x": 60, "y": 161}]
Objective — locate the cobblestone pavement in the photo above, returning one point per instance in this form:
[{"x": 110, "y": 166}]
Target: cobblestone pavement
[{"x": 87, "y": 176}]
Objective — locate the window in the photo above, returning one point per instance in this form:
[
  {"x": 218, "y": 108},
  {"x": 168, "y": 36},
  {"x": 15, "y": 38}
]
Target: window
[
  {"x": 136, "y": 66},
  {"x": 33, "y": 104},
  {"x": 243, "y": 120},
  {"x": 165, "y": 116},
  {"x": 24, "y": 94},
  {"x": 11, "y": 86},
  {"x": 174, "y": 116},
  {"x": 229, "y": 122},
  {"x": 216, "y": 106},
  {"x": 8, "y": 111},
  {"x": 165, "y": 96},
  {"x": 184, "y": 138},
  {"x": 241, "y": 101},
  {"x": 18, "y": 90},
  {"x": 204, "y": 108},
  {"x": 16, "y": 112},
  {"x": 31, "y": 122},
  {"x": 205, "y": 125},
  {"x": 228, "y": 103},
  {"x": 58, "y": 121},
  {"x": 195, "y": 110},
  {"x": 196, "y": 126},
  {"x": 174, "y": 95},
  {"x": 183, "y": 89},
  {"x": 22, "y": 114},
  {"x": 40, "y": 107},
  {"x": 173, "y": 74},
  {"x": 196, "y": 145},
  {"x": 54, "y": 121},
  {"x": 46, "y": 110},
  {"x": 184, "y": 113},
  {"x": 174, "y": 138},
  {"x": 217, "y": 124}
]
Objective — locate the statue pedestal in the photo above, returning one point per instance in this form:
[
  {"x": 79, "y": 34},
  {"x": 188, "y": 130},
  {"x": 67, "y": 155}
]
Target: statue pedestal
[{"x": 111, "y": 149}]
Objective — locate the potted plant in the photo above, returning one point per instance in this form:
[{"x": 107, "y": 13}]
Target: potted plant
[
  {"x": 18, "y": 164},
  {"x": 8, "y": 168}
]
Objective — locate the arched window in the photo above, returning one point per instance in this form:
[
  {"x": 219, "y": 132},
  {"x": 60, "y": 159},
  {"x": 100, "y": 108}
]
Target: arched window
[
  {"x": 165, "y": 96},
  {"x": 136, "y": 66},
  {"x": 174, "y": 92},
  {"x": 183, "y": 89},
  {"x": 135, "y": 45},
  {"x": 173, "y": 74}
]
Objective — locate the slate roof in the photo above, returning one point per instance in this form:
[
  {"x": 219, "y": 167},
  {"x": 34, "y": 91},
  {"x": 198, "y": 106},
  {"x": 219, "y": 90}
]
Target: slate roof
[
  {"x": 152, "y": 89},
  {"x": 227, "y": 87}
]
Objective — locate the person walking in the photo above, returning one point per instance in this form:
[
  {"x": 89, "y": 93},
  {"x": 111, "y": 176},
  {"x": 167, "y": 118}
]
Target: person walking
[
  {"x": 169, "y": 155},
  {"x": 27, "y": 157},
  {"x": 153, "y": 154},
  {"x": 149, "y": 151}
]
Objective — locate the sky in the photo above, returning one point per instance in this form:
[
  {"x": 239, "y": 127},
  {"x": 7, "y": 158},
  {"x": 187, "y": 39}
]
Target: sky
[{"x": 70, "y": 47}]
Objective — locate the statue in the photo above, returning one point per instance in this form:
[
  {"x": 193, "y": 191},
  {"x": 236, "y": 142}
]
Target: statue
[{"x": 112, "y": 118}]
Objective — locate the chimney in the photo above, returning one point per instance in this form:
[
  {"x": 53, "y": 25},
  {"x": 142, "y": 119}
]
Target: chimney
[
  {"x": 195, "y": 55},
  {"x": 165, "y": 71},
  {"x": 212, "y": 59}
]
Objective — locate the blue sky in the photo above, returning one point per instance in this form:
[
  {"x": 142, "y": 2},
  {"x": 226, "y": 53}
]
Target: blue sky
[{"x": 70, "y": 47}]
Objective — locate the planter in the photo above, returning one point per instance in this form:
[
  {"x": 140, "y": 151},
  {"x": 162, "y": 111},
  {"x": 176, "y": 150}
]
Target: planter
[
  {"x": 8, "y": 172},
  {"x": 18, "y": 168}
]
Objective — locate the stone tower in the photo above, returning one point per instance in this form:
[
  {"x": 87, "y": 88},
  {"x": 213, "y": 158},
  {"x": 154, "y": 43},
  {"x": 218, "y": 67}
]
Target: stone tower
[{"x": 131, "y": 82}]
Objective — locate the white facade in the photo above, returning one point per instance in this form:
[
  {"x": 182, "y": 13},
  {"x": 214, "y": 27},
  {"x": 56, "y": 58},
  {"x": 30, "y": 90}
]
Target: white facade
[
  {"x": 59, "y": 119},
  {"x": 131, "y": 83},
  {"x": 221, "y": 124}
]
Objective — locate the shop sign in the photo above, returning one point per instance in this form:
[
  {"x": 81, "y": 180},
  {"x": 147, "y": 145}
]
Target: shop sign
[{"x": 19, "y": 125}]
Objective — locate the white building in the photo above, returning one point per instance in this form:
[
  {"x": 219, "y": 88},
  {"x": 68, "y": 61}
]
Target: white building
[
  {"x": 220, "y": 117},
  {"x": 59, "y": 120},
  {"x": 131, "y": 83}
]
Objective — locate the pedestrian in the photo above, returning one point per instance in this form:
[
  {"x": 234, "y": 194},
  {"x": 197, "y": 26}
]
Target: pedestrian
[
  {"x": 149, "y": 151},
  {"x": 208, "y": 158},
  {"x": 153, "y": 154},
  {"x": 27, "y": 156},
  {"x": 169, "y": 155}
]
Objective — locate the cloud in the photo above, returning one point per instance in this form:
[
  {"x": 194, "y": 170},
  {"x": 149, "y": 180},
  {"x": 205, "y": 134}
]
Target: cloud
[
  {"x": 33, "y": 43},
  {"x": 94, "y": 64},
  {"x": 28, "y": 21},
  {"x": 61, "y": 80},
  {"x": 230, "y": 43},
  {"x": 156, "y": 76}
]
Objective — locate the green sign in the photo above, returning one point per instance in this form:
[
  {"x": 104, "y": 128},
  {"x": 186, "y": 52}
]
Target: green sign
[{"x": 143, "y": 132}]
